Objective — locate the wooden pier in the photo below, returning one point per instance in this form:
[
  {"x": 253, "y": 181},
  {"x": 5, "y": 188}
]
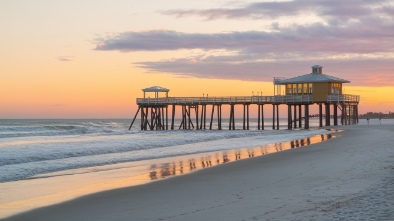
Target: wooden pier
[
  {"x": 300, "y": 93},
  {"x": 155, "y": 111}
]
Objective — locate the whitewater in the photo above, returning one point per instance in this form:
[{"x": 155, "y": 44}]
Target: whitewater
[{"x": 30, "y": 149}]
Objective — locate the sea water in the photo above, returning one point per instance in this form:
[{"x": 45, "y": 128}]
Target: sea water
[
  {"x": 31, "y": 148},
  {"x": 45, "y": 162}
]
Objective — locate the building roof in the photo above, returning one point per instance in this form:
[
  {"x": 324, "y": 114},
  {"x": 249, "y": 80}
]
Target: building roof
[
  {"x": 155, "y": 89},
  {"x": 314, "y": 77}
]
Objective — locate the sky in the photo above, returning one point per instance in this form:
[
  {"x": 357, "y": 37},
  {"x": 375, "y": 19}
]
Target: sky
[{"x": 91, "y": 58}]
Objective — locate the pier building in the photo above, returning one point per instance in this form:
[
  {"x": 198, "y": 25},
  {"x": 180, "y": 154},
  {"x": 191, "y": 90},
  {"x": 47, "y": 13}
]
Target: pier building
[{"x": 298, "y": 93}]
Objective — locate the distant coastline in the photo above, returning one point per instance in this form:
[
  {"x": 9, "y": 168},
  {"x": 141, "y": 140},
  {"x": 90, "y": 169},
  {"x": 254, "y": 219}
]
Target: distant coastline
[{"x": 374, "y": 115}]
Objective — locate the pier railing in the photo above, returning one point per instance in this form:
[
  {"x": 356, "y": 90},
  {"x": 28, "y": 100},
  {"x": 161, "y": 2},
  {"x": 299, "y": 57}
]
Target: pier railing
[
  {"x": 343, "y": 98},
  {"x": 226, "y": 100},
  {"x": 286, "y": 99}
]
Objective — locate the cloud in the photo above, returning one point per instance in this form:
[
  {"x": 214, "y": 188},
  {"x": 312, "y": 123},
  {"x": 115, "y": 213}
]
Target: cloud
[
  {"x": 306, "y": 39},
  {"x": 362, "y": 71},
  {"x": 352, "y": 37},
  {"x": 339, "y": 9},
  {"x": 57, "y": 105},
  {"x": 353, "y": 26},
  {"x": 65, "y": 58}
]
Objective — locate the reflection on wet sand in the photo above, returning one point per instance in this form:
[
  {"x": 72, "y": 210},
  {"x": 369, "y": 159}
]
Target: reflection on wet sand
[
  {"x": 61, "y": 188},
  {"x": 164, "y": 170}
]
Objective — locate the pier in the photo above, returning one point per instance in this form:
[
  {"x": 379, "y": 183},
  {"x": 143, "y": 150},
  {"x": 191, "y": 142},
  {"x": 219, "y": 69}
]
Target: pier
[{"x": 298, "y": 94}]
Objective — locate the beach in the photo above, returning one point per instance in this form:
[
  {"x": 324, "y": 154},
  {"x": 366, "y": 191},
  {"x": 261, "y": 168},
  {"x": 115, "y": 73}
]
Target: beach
[{"x": 350, "y": 177}]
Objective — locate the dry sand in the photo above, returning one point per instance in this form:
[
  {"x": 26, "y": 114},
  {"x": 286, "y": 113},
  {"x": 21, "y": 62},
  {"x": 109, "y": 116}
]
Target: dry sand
[{"x": 347, "y": 178}]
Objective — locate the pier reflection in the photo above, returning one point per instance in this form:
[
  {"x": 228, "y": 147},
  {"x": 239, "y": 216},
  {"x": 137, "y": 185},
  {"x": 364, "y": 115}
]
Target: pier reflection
[{"x": 163, "y": 170}]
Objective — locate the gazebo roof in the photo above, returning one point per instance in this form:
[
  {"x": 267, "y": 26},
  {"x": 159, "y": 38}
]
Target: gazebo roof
[{"x": 155, "y": 89}]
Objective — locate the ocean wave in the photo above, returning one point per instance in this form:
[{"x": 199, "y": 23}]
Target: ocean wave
[
  {"x": 35, "y": 149},
  {"x": 23, "y": 161},
  {"x": 59, "y": 129}
]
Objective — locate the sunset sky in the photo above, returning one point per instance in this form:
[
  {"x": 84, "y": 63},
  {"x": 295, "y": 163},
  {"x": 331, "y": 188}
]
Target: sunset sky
[{"x": 91, "y": 58}]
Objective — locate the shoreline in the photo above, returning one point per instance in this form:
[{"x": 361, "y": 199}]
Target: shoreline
[
  {"x": 54, "y": 188},
  {"x": 296, "y": 184}
]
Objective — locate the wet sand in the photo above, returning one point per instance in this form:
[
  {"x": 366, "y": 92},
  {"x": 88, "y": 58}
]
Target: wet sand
[
  {"x": 57, "y": 187},
  {"x": 350, "y": 177}
]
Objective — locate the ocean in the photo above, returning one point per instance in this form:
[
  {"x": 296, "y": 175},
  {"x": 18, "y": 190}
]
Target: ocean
[
  {"x": 45, "y": 162},
  {"x": 30, "y": 149}
]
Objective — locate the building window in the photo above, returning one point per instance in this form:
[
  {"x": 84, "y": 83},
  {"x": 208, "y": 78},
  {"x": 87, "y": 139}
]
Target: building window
[
  {"x": 335, "y": 88},
  {"x": 302, "y": 88},
  {"x": 288, "y": 89},
  {"x": 299, "y": 88}
]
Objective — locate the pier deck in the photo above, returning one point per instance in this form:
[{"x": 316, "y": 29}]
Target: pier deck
[
  {"x": 288, "y": 99},
  {"x": 225, "y": 100},
  {"x": 154, "y": 111}
]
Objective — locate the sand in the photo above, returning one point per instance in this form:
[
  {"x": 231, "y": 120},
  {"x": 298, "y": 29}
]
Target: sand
[{"x": 350, "y": 177}]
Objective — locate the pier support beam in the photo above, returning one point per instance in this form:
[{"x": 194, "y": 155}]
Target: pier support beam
[
  {"x": 295, "y": 116},
  {"x": 146, "y": 122},
  {"x": 300, "y": 116},
  {"x": 343, "y": 115},
  {"x": 289, "y": 120},
  {"x": 355, "y": 114},
  {"x": 152, "y": 119},
  {"x": 328, "y": 114},
  {"x": 258, "y": 117},
  {"x": 244, "y": 118},
  {"x": 273, "y": 117},
  {"x": 277, "y": 116},
  {"x": 203, "y": 116},
  {"x": 247, "y": 116},
  {"x": 213, "y": 111},
  {"x": 335, "y": 115},
  {"x": 306, "y": 109},
  {"x": 196, "y": 109},
  {"x": 231, "y": 125},
  {"x": 189, "y": 121},
  {"x": 184, "y": 118},
  {"x": 320, "y": 115},
  {"x": 142, "y": 118},
  {"x": 139, "y": 107},
  {"x": 219, "y": 107},
  {"x": 262, "y": 116},
  {"x": 184, "y": 114},
  {"x": 166, "y": 117},
  {"x": 163, "y": 119},
  {"x": 173, "y": 117}
]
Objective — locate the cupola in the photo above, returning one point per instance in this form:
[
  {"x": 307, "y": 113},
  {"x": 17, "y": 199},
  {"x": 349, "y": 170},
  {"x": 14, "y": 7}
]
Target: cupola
[{"x": 317, "y": 69}]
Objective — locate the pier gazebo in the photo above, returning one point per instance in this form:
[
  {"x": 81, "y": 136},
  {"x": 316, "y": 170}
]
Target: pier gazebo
[
  {"x": 297, "y": 92},
  {"x": 156, "y": 90},
  {"x": 322, "y": 89}
]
